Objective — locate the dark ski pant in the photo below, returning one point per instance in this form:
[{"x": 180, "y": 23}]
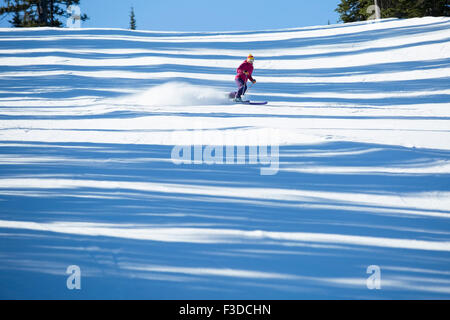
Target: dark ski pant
[{"x": 242, "y": 87}]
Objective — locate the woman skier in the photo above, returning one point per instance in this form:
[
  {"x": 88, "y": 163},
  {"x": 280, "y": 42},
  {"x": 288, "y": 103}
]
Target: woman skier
[{"x": 244, "y": 73}]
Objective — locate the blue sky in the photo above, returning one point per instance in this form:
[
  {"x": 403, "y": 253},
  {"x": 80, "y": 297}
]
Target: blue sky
[{"x": 207, "y": 15}]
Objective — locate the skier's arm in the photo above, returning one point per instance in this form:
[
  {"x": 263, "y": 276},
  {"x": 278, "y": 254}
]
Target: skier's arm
[
  {"x": 249, "y": 76},
  {"x": 239, "y": 70}
]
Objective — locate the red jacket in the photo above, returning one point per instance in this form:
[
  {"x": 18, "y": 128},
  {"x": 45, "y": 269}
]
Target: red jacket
[{"x": 245, "y": 66}]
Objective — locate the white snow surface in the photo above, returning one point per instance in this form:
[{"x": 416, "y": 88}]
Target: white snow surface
[
  {"x": 88, "y": 119},
  {"x": 409, "y": 124}
]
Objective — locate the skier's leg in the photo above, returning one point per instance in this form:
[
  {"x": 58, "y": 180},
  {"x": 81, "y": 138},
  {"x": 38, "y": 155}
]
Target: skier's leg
[
  {"x": 241, "y": 88},
  {"x": 245, "y": 88}
]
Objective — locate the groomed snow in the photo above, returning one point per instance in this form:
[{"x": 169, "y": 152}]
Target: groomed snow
[{"x": 89, "y": 119}]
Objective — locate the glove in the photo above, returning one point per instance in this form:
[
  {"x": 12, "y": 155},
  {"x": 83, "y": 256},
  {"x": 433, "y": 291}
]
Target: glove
[{"x": 254, "y": 81}]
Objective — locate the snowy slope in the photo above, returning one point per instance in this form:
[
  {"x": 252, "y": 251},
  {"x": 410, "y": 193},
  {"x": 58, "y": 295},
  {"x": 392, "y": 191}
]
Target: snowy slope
[{"x": 89, "y": 119}]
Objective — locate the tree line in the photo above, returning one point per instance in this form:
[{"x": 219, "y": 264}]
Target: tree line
[
  {"x": 45, "y": 13},
  {"x": 39, "y": 13},
  {"x": 50, "y": 13},
  {"x": 359, "y": 10}
]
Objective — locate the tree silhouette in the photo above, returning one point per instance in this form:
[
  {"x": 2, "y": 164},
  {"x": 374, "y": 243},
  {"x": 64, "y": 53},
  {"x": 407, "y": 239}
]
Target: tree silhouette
[
  {"x": 132, "y": 19},
  {"x": 38, "y": 13},
  {"x": 357, "y": 10}
]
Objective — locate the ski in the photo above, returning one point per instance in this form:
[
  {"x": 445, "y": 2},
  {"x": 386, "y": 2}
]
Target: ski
[
  {"x": 252, "y": 102},
  {"x": 231, "y": 95}
]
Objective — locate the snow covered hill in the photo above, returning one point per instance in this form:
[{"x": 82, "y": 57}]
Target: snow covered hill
[{"x": 358, "y": 115}]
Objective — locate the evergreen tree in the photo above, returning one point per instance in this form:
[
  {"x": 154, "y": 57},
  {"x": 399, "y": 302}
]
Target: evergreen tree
[
  {"x": 435, "y": 8},
  {"x": 357, "y": 10},
  {"x": 132, "y": 20},
  {"x": 349, "y": 11},
  {"x": 38, "y": 13}
]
